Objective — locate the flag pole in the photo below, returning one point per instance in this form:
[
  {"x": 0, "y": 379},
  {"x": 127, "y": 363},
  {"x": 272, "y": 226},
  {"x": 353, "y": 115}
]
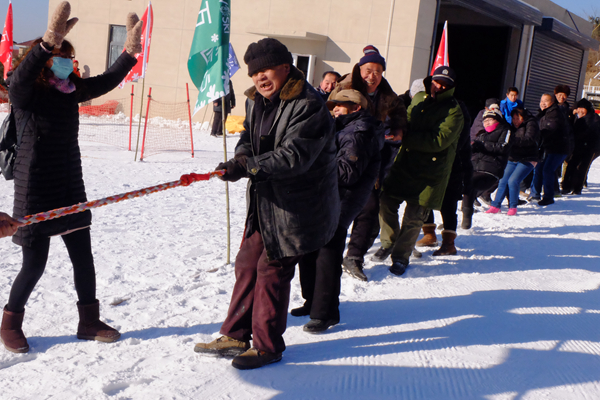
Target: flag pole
[
  {"x": 137, "y": 142},
  {"x": 224, "y": 118}
]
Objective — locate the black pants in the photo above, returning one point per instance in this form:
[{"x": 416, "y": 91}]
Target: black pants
[
  {"x": 577, "y": 170},
  {"x": 365, "y": 228},
  {"x": 481, "y": 182},
  {"x": 79, "y": 246},
  {"x": 320, "y": 277},
  {"x": 217, "y": 126},
  {"x": 448, "y": 209}
]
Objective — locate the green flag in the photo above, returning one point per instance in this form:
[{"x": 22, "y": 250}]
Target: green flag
[{"x": 207, "y": 63}]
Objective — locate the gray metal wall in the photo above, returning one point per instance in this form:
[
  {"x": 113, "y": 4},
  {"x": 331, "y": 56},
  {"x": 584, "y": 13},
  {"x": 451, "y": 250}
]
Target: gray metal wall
[{"x": 552, "y": 63}]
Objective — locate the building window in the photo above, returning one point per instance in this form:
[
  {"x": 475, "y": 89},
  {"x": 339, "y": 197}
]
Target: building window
[
  {"x": 116, "y": 43},
  {"x": 306, "y": 64}
]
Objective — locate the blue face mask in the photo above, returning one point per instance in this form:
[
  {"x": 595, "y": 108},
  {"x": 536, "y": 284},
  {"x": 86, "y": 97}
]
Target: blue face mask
[{"x": 62, "y": 67}]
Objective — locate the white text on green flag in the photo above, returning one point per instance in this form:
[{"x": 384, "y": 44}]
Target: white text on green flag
[{"x": 207, "y": 63}]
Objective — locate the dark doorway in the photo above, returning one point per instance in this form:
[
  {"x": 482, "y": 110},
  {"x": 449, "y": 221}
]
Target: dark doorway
[{"x": 478, "y": 55}]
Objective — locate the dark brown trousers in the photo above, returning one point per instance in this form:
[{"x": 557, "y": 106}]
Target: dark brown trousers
[{"x": 260, "y": 298}]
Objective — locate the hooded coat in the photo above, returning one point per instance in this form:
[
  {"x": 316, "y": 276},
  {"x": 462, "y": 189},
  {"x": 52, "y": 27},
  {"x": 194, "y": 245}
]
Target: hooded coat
[
  {"x": 359, "y": 140},
  {"x": 490, "y": 150},
  {"x": 293, "y": 188},
  {"x": 47, "y": 169},
  {"x": 421, "y": 170},
  {"x": 525, "y": 142}
]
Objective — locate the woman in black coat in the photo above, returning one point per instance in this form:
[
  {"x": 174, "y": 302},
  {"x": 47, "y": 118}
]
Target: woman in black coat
[
  {"x": 490, "y": 154},
  {"x": 44, "y": 90},
  {"x": 522, "y": 159}
]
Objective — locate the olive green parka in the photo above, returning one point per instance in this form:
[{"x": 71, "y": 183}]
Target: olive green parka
[{"x": 421, "y": 170}]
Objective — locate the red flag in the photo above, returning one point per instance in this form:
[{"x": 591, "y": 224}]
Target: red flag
[
  {"x": 442, "y": 54},
  {"x": 139, "y": 70},
  {"x": 6, "y": 45}
]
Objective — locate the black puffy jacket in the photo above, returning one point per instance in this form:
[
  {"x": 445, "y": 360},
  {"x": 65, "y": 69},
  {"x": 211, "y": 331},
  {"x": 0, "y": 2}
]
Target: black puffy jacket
[
  {"x": 525, "y": 142},
  {"x": 47, "y": 170},
  {"x": 359, "y": 140},
  {"x": 554, "y": 130},
  {"x": 490, "y": 150},
  {"x": 587, "y": 133}
]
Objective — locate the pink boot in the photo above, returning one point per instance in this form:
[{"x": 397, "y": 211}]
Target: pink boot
[
  {"x": 492, "y": 210},
  {"x": 512, "y": 211}
]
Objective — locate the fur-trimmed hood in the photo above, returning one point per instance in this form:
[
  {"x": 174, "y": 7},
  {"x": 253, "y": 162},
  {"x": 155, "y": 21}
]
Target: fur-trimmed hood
[{"x": 292, "y": 88}]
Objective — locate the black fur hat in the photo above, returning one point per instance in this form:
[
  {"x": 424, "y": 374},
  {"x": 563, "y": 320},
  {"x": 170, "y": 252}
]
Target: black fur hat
[{"x": 266, "y": 53}]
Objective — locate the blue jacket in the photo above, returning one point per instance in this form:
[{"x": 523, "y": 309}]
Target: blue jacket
[{"x": 506, "y": 106}]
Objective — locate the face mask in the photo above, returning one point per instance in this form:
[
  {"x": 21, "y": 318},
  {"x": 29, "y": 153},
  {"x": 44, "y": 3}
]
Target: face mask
[
  {"x": 491, "y": 127},
  {"x": 62, "y": 67}
]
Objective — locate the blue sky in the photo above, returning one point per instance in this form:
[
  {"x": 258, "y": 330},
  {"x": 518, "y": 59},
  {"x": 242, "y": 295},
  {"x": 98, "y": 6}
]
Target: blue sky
[{"x": 31, "y": 16}]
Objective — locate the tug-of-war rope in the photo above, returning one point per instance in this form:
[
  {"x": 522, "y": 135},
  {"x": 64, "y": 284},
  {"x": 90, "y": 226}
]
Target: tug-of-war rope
[{"x": 185, "y": 180}]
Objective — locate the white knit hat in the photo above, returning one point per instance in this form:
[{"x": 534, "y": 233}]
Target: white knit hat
[{"x": 416, "y": 87}]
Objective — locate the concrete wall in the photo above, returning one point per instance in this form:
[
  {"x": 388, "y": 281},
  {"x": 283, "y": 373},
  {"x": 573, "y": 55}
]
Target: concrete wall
[{"x": 337, "y": 34}]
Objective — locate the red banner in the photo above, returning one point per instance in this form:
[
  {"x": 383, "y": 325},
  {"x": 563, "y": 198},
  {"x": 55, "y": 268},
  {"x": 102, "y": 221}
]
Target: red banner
[
  {"x": 139, "y": 70},
  {"x": 442, "y": 54},
  {"x": 6, "y": 45}
]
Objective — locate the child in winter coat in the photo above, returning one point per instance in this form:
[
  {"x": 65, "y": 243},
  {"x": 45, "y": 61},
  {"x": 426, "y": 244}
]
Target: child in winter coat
[{"x": 359, "y": 139}]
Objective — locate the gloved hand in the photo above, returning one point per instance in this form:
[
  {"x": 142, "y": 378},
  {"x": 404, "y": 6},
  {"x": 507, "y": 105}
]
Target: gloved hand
[
  {"x": 477, "y": 146},
  {"x": 133, "y": 43},
  {"x": 188, "y": 179},
  {"x": 59, "y": 25},
  {"x": 235, "y": 169}
]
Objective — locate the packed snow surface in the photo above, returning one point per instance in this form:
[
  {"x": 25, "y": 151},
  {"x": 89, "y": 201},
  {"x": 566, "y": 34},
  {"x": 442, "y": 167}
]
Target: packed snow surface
[{"x": 515, "y": 315}]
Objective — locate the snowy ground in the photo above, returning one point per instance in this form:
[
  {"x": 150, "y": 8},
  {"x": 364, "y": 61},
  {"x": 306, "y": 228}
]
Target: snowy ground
[{"x": 515, "y": 315}]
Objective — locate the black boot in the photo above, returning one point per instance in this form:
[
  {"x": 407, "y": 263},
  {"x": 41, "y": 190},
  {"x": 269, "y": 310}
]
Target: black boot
[{"x": 467, "y": 217}]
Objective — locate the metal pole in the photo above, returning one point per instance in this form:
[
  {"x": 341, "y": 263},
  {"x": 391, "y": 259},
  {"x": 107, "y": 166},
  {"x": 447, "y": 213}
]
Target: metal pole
[
  {"x": 137, "y": 142},
  {"x": 187, "y": 91},
  {"x": 224, "y": 117},
  {"x": 146, "y": 122},
  {"x": 130, "y": 117},
  {"x": 387, "y": 39},
  {"x": 435, "y": 24}
]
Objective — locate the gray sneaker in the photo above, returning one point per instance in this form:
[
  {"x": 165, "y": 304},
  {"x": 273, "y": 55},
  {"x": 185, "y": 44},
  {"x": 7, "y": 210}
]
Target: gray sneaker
[
  {"x": 223, "y": 346},
  {"x": 381, "y": 254}
]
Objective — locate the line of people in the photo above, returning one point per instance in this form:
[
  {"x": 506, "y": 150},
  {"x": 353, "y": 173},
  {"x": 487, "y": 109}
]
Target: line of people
[
  {"x": 378, "y": 151},
  {"x": 314, "y": 168}
]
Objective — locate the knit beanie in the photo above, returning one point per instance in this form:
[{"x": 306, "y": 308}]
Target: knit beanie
[
  {"x": 266, "y": 53},
  {"x": 371, "y": 55},
  {"x": 416, "y": 87},
  {"x": 493, "y": 112}
]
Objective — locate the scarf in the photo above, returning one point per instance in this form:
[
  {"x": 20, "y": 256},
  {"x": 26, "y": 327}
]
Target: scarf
[{"x": 62, "y": 85}]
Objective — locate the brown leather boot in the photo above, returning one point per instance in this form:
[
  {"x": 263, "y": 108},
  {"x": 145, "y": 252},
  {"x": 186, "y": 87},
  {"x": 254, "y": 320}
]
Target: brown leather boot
[
  {"x": 11, "y": 333},
  {"x": 91, "y": 328},
  {"x": 447, "y": 248},
  {"x": 429, "y": 239}
]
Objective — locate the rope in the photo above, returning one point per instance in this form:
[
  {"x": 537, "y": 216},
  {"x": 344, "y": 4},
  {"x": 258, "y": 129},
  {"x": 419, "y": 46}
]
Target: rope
[{"x": 185, "y": 180}]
